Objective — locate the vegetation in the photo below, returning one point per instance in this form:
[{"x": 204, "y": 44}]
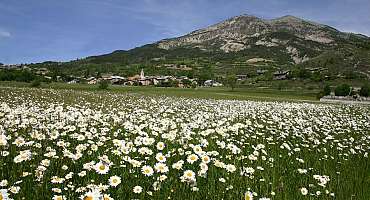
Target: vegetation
[
  {"x": 342, "y": 90},
  {"x": 240, "y": 93},
  {"x": 17, "y": 75},
  {"x": 365, "y": 91},
  {"x": 103, "y": 85},
  {"x": 36, "y": 83},
  {"x": 327, "y": 90},
  {"x": 231, "y": 81},
  {"x": 106, "y": 144}
]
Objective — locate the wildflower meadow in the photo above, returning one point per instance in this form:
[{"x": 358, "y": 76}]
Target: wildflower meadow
[{"x": 101, "y": 145}]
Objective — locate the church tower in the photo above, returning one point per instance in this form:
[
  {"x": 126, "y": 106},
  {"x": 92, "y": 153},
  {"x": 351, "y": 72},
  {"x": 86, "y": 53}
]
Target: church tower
[{"x": 142, "y": 76}]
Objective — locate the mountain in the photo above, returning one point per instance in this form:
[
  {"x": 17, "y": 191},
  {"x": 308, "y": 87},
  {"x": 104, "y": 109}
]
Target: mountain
[
  {"x": 242, "y": 44},
  {"x": 299, "y": 38}
]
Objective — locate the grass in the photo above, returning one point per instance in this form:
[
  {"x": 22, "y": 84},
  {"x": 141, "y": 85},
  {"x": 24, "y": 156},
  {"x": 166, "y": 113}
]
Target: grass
[{"x": 245, "y": 93}]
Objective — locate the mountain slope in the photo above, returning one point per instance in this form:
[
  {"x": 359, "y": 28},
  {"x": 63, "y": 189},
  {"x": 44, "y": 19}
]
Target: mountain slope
[
  {"x": 295, "y": 35},
  {"x": 242, "y": 44}
]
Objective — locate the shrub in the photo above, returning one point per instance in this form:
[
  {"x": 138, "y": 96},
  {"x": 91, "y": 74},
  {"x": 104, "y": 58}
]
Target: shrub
[
  {"x": 103, "y": 85},
  {"x": 342, "y": 90},
  {"x": 35, "y": 83},
  {"x": 327, "y": 90},
  {"x": 365, "y": 91},
  {"x": 320, "y": 95}
]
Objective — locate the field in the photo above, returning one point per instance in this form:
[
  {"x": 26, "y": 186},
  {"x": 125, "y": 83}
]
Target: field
[
  {"x": 70, "y": 143},
  {"x": 244, "y": 93}
]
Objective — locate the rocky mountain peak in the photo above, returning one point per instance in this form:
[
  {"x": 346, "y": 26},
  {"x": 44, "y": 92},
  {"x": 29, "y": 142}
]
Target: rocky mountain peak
[{"x": 247, "y": 31}]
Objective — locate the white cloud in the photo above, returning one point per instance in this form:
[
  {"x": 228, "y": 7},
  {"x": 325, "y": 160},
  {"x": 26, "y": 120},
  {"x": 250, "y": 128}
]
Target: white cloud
[{"x": 5, "y": 34}]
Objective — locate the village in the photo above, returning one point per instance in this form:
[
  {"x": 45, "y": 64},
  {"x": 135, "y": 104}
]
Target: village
[{"x": 158, "y": 80}]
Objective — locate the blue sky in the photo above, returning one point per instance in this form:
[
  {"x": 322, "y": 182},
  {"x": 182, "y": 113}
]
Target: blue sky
[{"x": 62, "y": 30}]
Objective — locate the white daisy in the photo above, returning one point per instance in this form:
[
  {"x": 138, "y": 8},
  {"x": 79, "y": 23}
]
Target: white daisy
[
  {"x": 114, "y": 181},
  {"x": 160, "y": 146},
  {"x": 101, "y": 168},
  {"x": 147, "y": 170},
  {"x": 160, "y": 157},
  {"x": 137, "y": 189},
  {"x": 192, "y": 158},
  {"x": 161, "y": 167},
  {"x": 304, "y": 191}
]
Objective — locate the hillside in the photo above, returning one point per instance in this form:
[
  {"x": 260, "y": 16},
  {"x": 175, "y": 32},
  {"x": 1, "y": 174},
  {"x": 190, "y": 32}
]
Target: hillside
[{"x": 240, "y": 45}]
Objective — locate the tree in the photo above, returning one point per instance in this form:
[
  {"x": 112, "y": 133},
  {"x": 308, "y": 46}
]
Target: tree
[
  {"x": 327, "y": 90},
  {"x": 342, "y": 90},
  {"x": 365, "y": 91},
  {"x": 231, "y": 81}
]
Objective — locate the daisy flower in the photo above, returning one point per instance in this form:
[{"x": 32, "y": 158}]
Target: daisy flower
[
  {"x": 91, "y": 195},
  {"x": 248, "y": 196},
  {"x": 4, "y": 194},
  {"x": 304, "y": 191},
  {"x": 161, "y": 167},
  {"x": 101, "y": 168},
  {"x": 147, "y": 170},
  {"x": 137, "y": 189},
  {"x": 205, "y": 159},
  {"x": 57, "y": 197},
  {"x": 189, "y": 175},
  {"x": 160, "y": 157},
  {"x": 107, "y": 197},
  {"x": 160, "y": 146},
  {"x": 114, "y": 181},
  {"x": 192, "y": 158}
]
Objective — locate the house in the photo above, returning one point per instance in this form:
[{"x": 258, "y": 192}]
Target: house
[
  {"x": 208, "y": 83},
  {"x": 106, "y": 77},
  {"x": 118, "y": 80},
  {"x": 212, "y": 83},
  {"x": 281, "y": 75},
  {"x": 261, "y": 71},
  {"x": 317, "y": 69},
  {"x": 241, "y": 77},
  {"x": 74, "y": 81},
  {"x": 91, "y": 81},
  {"x": 42, "y": 71}
]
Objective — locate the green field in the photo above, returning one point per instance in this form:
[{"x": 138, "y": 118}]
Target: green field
[{"x": 245, "y": 93}]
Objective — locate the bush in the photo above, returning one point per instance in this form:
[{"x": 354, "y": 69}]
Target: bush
[
  {"x": 35, "y": 83},
  {"x": 342, "y": 90},
  {"x": 327, "y": 90},
  {"x": 320, "y": 95},
  {"x": 365, "y": 91},
  {"x": 103, "y": 85}
]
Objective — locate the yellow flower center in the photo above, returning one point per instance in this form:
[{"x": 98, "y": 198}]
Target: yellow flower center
[
  {"x": 88, "y": 198},
  {"x": 1, "y": 196},
  {"x": 102, "y": 167},
  {"x": 247, "y": 196}
]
